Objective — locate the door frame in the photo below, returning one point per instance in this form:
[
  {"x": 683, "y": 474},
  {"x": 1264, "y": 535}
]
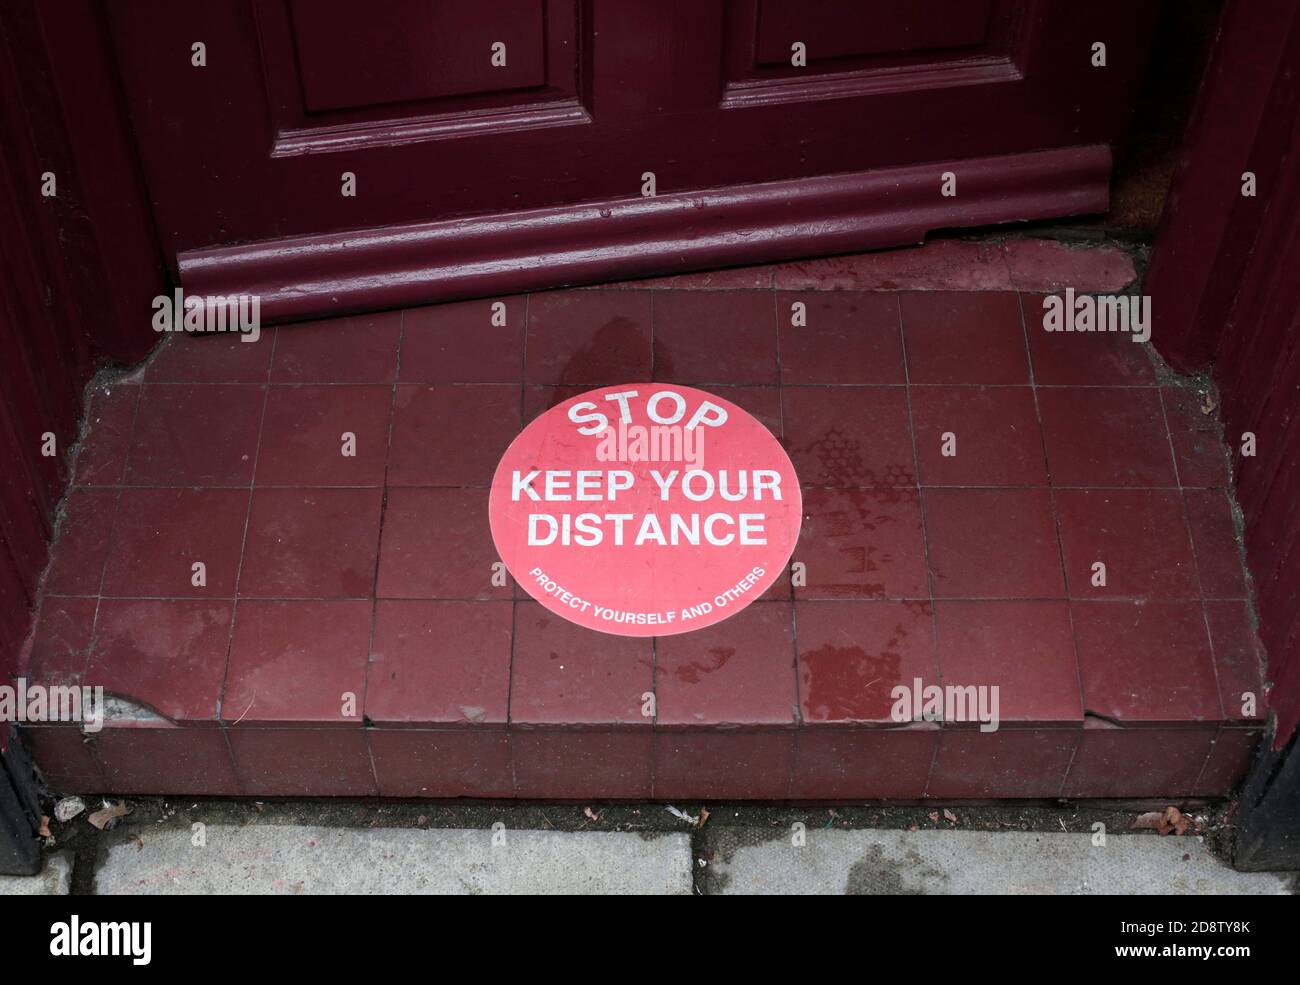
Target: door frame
[
  {"x": 1216, "y": 264},
  {"x": 1225, "y": 299}
]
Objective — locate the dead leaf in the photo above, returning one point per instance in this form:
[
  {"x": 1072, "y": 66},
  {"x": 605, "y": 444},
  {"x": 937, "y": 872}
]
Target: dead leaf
[
  {"x": 951, "y": 817},
  {"x": 1178, "y": 822},
  {"x": 1208, "y": 403},
  {"x": 1169, "y": 821},
  {"x": 588, "y": 812},
  {"x": 1151, "y": 819},
  {"x": 704, "y": 816},
  {"x": 45, "y": 826},
  {"x": 933, "y": 815},
  {"x": 106, "y": 818}
]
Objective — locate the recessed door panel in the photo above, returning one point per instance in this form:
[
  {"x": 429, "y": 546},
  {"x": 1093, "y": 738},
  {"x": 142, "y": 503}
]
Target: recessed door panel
[
  {"x": 350, "y": 56},
  {"x": 831, "y": 29}
]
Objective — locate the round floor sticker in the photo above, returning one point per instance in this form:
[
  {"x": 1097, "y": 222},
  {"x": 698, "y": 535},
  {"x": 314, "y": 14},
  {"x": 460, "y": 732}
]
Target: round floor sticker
[{"x": 645, "y": 509}]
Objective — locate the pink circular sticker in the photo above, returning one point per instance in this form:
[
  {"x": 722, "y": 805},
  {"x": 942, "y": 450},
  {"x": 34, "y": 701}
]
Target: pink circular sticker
[{"x": 646, "y": 509}]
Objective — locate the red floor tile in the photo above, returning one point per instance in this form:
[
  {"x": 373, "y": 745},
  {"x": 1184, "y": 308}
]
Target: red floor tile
[
  {"x": 1050, "y": 265},
  {"x": 1218, "y": 551},
  {"x": 940, "y": 265},
  {"x": 1105, "y": 436},
  {"x": 66, "y": 758},
  {"x": 964, "y": 338},
  {"x": 1135, "y": 762},
  {"x": 440, "y": 663},
  {"x": 1239, "y": 660},
  {"x": 849, "y": 436},
  {"x": 861, "y": 543},
  {"x": 110, "y": 419},
  {"x": 160, "y": 534},
  {"x": 1083, "y": 358},
  {"x": 436, "y": 543},
  {"x": 703, "y": 337},
  {"x": 843, "y": 337},
  {"x": 994, "y": 436},
  {"x": 864, "y": 764},
  {"x": 539, "y": 399},
  {"x": 1146, "y": 663},
  {"x": 976, "y": 765},
  {"x": 1198, "y": 450},
  {"x": 1138, "y": 534},
  {"x": 469, "y": 342},
  {"x": 303, "y": 438},
  {"x": 1229, "y": 760},
  {"x": 303, "y": 762},
  {"x": 763, "y": 402},
  {"x": 355, "y": 349},
  {"x": 167, "y": 759},
  {"x": 723, "y": 765},
  {"x": 853, "y": 654},
  {"x": 195, "y": 435},
  {"x": 451, "y": 435},
  {"x": 453, "y": 763},
  {"x": 166, "y": 654},
  {"x": 993, "y": 543},
  {"x": 560, "y": 765},
  {"x": 592, "y": 337},
  {"x": 60, "y": 640},
  {"x": 736, "y": 672},
  {"x": 301, "y": 663},
  {"x": 1025, "y": 649},
  {"x": 311, "y": 543},
  {"x": 564, "y": 674},
  {"x": 217, "y": 357},
  {"x": 77, "y": 567}
]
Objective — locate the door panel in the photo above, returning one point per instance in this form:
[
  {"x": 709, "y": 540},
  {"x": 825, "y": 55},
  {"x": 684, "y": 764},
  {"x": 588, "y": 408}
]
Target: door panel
[
  {"x": 832, "y": 29},
  {"x": 404, "y": 95},
  {"x": 417, "y": 50}
]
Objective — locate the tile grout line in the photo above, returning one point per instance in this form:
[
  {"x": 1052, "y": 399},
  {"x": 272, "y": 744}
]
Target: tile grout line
[
  {"x": 243, "y": 546},
  {"x": 510, "y": 696},
  {"x": 654, "y": 640},
  {"x": 799, "y": 724},
  {"x": 1200, "y": 584},
  {"x": 1060, "y": 543},
  {"x": 925, "y": 536},
  {"x": 847, "y": 599},
  {"x": 379, "y": 543},
  {"x": 870, "y": 487},
  {"x": 112, "y": 531},
  {"x": 1196, "y": 557},
  {"x": 328, "y": 384},
  {"x": 92, "y": 747},
  {"x": 516, "y": 588},
  {"x": 810, "y": 485}
]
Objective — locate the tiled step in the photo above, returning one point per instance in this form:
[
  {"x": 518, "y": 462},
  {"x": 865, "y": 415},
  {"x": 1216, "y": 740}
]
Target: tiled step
[{"x": 352, "y": 634}]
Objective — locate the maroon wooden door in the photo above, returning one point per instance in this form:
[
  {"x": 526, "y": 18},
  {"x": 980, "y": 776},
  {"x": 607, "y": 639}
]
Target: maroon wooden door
[{"x": 772, "y": 127}]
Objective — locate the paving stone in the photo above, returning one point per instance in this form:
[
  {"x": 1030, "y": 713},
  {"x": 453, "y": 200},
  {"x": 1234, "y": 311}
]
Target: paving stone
[
  {"x": 296, "y": 859},
  {"x": 941, "y": 863},
  {"x": 53, "y": 880}
]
